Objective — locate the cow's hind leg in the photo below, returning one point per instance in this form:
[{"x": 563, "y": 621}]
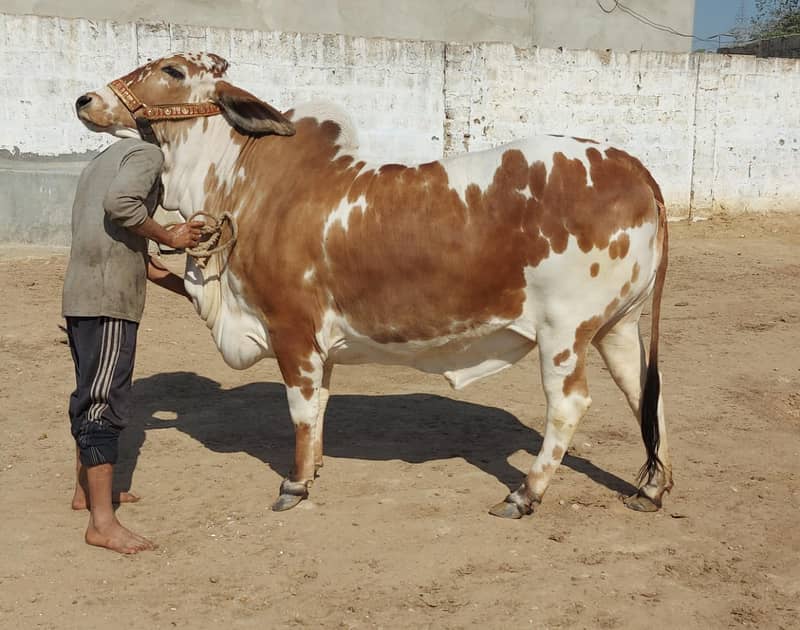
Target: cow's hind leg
[
  {"x": 563, "y": 360},
  {"x": 303, "y": 394},
  {"x": 622, "y": 350}
]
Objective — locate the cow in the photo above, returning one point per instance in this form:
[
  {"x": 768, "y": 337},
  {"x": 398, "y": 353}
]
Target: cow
[{"x": 459, "y": 266}]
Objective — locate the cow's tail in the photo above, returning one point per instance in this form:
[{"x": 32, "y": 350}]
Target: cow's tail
[{"x": 652, "y": 385}]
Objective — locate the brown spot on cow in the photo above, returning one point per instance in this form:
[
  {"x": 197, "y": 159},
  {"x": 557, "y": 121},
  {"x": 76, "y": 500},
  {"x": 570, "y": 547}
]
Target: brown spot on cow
[
  {"x": 618, "y": 248},
  {"x": 558, "y": 453},
  {"x": 626, "y": 288},
  {"x": 594, "y": 270},
  {"x": 624, "y": 244},
  {"x": 561, "y": 356},
  {"x": 584, "y": 333}
]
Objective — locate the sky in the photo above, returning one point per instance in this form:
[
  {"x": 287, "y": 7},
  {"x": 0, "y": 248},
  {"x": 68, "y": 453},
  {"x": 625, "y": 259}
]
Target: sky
[{"x": 718, "y": 16}]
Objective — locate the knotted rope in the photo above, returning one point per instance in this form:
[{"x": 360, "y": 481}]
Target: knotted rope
[{"x": 212, "y": 234}]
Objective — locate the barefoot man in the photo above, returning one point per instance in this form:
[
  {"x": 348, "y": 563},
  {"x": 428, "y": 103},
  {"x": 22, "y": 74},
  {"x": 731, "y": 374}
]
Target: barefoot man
[{"x": 103, "y": 300}]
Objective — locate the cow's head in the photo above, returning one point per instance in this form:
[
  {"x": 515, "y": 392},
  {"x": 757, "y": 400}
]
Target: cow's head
[{"x": 177, "y": 87}]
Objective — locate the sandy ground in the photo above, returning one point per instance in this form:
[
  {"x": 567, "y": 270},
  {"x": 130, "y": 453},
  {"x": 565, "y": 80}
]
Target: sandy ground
[{"x": 396, "y": 534}]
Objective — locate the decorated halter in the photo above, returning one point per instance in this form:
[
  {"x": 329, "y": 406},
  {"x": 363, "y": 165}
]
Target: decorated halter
[{"x": 160, "y": 112}]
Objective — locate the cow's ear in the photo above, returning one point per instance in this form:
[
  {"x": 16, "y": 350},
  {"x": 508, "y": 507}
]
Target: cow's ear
[{"x": 249, "y": 114}]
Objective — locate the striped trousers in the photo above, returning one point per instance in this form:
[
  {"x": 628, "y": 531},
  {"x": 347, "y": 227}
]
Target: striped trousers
[{"x": 103, "y": 350}]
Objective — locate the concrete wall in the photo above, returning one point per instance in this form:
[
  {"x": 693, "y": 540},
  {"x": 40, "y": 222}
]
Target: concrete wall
[
  {"x": 525, "y": 23},
  {"x": 721, "y": 134}
]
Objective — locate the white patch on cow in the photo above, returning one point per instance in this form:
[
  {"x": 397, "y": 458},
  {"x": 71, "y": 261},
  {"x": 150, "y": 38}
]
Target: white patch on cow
[
  {"x": 237, "y": 330},
  {"x": 306, "y": 410},
  {"x": 187, "y": 164},
  {"x": 185, "y": 171},
  {"x": 225, "y": 168},
  {"x": 302, "y": 410},
  {"x": 462, "y": 358},
  {"x": 308, "y": 275},
  {"x": 479, "y": 168},
  {"x": 342, "y": 212},
  {"x": 561, "y": 293},
  {"x": 201, "y": 87},
  {"x": 470, "y": 169}
]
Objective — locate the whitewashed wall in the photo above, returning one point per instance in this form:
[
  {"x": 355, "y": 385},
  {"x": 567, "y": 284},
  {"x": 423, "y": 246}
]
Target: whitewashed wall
[{"x": 721, "y": 134}]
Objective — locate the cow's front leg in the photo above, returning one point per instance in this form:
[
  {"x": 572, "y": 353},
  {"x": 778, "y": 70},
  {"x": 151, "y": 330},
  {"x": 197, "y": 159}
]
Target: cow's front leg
[{"x": 303, "y": 384}]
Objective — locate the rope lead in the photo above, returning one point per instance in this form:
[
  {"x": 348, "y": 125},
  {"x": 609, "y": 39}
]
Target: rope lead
[{"x": 212, "y": 231}]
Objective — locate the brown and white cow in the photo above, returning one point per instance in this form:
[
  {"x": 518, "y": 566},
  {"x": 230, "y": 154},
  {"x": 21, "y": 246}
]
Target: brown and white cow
[{"x": 458, "y": 267}]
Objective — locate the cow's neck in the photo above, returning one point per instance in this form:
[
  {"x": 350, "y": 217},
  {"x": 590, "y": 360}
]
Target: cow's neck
[{"x": 192, "y": 150}]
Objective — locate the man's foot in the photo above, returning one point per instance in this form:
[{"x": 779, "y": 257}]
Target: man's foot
[
  {"x": 80, "y": 502},
  {"x": 117, "y": 538}
]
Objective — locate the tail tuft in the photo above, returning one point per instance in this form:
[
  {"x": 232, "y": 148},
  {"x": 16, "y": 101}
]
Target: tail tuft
[{"x": 649, "y": 424}]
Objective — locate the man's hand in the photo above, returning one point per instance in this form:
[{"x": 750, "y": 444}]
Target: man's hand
[
  {"x": 180, "y": 237},
  {"x": 185, "y": 235}
]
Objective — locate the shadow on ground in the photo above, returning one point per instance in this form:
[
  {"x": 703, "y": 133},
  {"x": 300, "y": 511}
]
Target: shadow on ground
[{"x": 414, "y": 428}]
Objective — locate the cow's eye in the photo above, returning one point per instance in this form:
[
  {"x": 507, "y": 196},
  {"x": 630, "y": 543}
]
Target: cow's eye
[{"x": 173, "y": 72}]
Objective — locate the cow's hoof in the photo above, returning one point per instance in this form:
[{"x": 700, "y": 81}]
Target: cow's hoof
[
  {"x": 292, "y": 492},
  {"x": 516, "y": 505},
  {"x": 286, "y": 502},
  {"x": 504, "y": 509},
  {"x": 642, "y": 503}
]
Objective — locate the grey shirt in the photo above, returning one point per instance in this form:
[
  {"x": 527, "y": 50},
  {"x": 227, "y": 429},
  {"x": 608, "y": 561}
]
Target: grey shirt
[{"x": 107, "y": 271}]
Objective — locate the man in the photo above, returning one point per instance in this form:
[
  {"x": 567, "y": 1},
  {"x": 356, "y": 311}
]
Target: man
[{"x": 103, "y": 300}]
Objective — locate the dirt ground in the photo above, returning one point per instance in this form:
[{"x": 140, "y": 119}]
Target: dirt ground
[{"x": 396, "y": 534}]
